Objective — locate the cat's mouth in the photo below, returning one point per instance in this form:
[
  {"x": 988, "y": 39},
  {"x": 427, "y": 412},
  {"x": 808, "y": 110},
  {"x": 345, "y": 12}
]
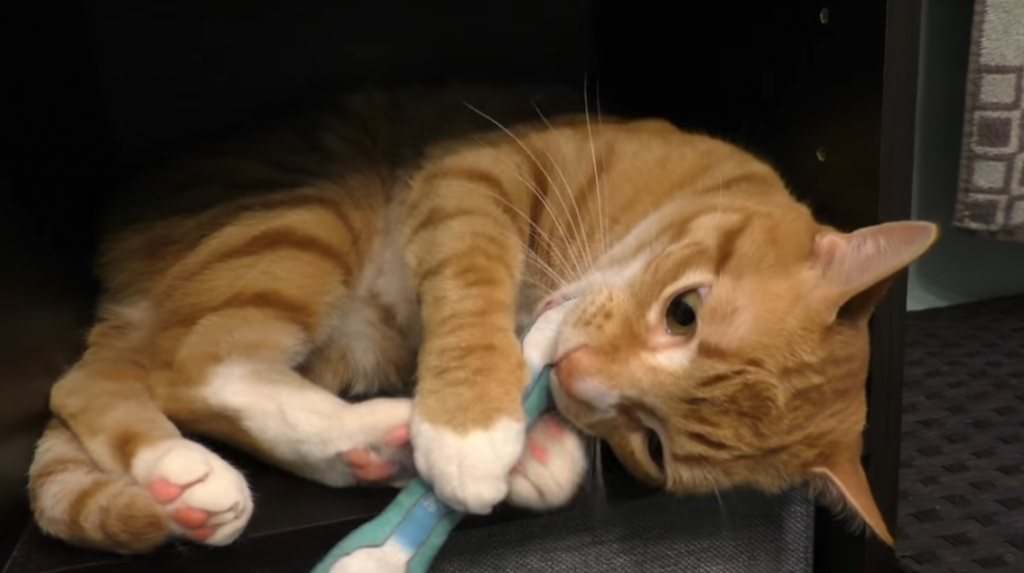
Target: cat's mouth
[
  {"x": 578, "y": 396},
  {"x": 556, "y": 298},
  {"x": 569, "y": 406}
]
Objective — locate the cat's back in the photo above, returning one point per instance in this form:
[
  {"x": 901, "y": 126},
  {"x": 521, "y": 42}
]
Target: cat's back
[{"x": 351, "y": 153}]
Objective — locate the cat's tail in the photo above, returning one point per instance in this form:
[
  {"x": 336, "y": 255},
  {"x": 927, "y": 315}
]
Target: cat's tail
[
  {"x": 74, "y": 500},
  {"x": 73, "y": 497}
]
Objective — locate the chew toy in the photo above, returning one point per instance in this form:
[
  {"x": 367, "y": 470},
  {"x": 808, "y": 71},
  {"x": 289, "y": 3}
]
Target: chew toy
[{"x": 407, "y": 535}]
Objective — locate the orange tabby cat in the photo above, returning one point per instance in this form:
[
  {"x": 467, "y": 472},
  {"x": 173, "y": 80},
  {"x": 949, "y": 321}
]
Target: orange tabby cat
[{"x": 718, "y": 338}]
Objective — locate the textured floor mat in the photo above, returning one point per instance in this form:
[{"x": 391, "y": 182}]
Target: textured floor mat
[
  {"x": 962, "y": 477},
  {"x": 743, "y": 532}
]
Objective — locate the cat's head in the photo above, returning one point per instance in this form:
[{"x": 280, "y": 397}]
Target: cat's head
[{"x": 734, "y": 353}]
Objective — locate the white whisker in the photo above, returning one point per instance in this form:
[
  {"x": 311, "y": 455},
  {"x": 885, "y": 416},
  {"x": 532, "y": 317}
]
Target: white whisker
[
  {"x": 540, "y": 234},
  {"x": 542, "y": 116},
  {"x": 604, "y": 164},
  {"x": 580, "y": 232},
  {"x": 546, "y": 268},
  {"x": 719, "y": 195},
  {"x": 536, "y": 191},
  {"x": 597, "y": 177},
  {"x": 561, "y": 229},
  {"x": 534, "y": 258}
]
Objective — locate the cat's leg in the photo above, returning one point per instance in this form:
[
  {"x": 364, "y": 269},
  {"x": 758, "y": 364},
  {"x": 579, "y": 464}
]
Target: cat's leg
[
  {"x": 75, "y": 500},
  {"x": 464, "y": 249},
  {"x": 123, "y": 478},
  {"x": 243, "y": 390},
  {"x": 246, "y": 309},
  {"x": 552, "y": 466}
]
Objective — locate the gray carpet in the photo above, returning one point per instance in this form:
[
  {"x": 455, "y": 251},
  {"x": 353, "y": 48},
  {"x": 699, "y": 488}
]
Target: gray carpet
[
  {"x": 745, "y": 533},
  {"x": 962, "y": 477}
]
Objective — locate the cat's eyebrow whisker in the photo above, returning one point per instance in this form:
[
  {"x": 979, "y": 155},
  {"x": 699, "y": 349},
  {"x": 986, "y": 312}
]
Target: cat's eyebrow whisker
[
  {"x": 546, "y": 268},
  {"x": 541, "y": 114},
  {"x": 569, "y": 245},
  {"x": 597, "y": 175},
  {"x": 719, "y": 195},
  {"x": 540, "y": 234},
  {"x": 604, "y": 163},
  {"x": 534, "y": 258},
  {"x": 554, "y": 217},
  {"x": 532, "y": 185},
  {"x": 581, "y": 233}
]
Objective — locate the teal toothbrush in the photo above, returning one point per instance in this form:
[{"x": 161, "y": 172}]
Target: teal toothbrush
[{"x": 407, "y": 535}]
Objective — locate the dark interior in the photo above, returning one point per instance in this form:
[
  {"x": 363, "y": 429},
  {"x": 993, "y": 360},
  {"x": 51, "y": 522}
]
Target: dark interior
[{"x": 98, "y": 90}]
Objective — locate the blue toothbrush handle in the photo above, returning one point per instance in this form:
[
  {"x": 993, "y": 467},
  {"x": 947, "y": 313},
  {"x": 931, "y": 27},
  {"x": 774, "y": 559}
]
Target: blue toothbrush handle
[{"x": 416, "y": 522}]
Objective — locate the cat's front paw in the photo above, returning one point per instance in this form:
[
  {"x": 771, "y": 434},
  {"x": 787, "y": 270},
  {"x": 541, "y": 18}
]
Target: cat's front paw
[
  {"x": 389, "y": 462},
  {"x": 207, "y": 500},
  {"x": 368, "y": 446},
  {"x": 469, "y": 471},
  {"x": 552, "y": 466}
]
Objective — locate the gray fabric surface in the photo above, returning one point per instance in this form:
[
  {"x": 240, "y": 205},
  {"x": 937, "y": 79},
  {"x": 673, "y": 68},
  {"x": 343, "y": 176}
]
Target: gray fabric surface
[
  {"x": 962, "y": 472},
  {"x": 991, "y": 196},
  {"x": 746, "y": 533}
]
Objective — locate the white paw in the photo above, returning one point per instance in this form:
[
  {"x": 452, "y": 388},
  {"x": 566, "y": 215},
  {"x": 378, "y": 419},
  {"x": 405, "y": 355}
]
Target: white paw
[
  {"x": 387, "y": 558},
  {"x": 552, "y": 466},
  {"x": 207, "y": 500},
  {"x": 469, "y": 472},
  {"x": 309, "y": 431},
  {"x": 369, "y": 445}
]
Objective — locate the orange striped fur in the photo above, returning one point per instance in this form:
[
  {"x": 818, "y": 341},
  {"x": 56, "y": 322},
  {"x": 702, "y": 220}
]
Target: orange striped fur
[{"x": 404, "y": 237}]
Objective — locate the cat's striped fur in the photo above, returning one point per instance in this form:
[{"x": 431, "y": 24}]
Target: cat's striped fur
[{"x": 404, "y": 236}]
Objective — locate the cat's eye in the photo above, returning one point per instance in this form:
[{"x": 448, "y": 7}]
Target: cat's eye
[
  {"x": 681, "y": 314},
  {"x": 655, "y": 449}
]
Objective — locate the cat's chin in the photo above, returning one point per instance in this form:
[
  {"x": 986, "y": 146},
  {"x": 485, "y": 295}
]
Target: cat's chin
[{"x": 577, "y": 413}]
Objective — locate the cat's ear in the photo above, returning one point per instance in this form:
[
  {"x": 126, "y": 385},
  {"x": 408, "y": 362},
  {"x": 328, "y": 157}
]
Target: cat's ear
[
  {"x": 855, "y": 268},
  {"x": 845, "y": 479}
]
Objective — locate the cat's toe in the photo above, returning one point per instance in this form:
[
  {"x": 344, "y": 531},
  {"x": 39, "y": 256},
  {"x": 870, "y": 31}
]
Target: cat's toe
[
  {"x": 206, "y": 499},
  {"x": 375, "y": 448},
  {"x": 552, "y": 466},
  {"x": 370, "y": 467},
  {"x": 468, "y": 470}
]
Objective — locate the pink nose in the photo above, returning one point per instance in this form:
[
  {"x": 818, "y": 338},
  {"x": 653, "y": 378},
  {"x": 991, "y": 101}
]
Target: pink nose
[{"x": 572, "y": 367}]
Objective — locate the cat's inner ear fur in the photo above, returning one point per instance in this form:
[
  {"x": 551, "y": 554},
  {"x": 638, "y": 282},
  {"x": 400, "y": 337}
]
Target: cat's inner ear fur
[
  {"x": 843, "y": 482},
  {"x": 856, "y": 267}
]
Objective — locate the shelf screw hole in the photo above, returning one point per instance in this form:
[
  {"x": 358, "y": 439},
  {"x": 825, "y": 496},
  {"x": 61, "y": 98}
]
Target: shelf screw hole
[
  {"x": 823, "y": 15},
  {"x": 820, "y": 154}
]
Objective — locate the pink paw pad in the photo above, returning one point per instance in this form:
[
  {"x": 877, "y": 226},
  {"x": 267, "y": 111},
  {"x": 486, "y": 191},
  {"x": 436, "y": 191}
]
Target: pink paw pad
[
  {"x": 369, "y": 467},
  {"x": 190, "y": 517},
  {"x": 201, "y": 534},
  {"x": 538, "y": 451},
  {"x": 195, "y": 521},
  {"x": 164, "y": 491},
  {"x": 553, "y": 427},
  {"x": 398, "y": 436}
]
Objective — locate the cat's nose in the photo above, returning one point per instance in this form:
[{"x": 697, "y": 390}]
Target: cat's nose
[
  {"x": 579, "y": 390},
  {"x": 572, "y": 367}
]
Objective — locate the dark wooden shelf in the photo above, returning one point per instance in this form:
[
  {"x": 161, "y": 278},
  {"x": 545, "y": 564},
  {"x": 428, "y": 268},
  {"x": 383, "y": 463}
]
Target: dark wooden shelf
[
  {"x": 295, "y": 523},
  {"x": 101, "y": 85}
]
